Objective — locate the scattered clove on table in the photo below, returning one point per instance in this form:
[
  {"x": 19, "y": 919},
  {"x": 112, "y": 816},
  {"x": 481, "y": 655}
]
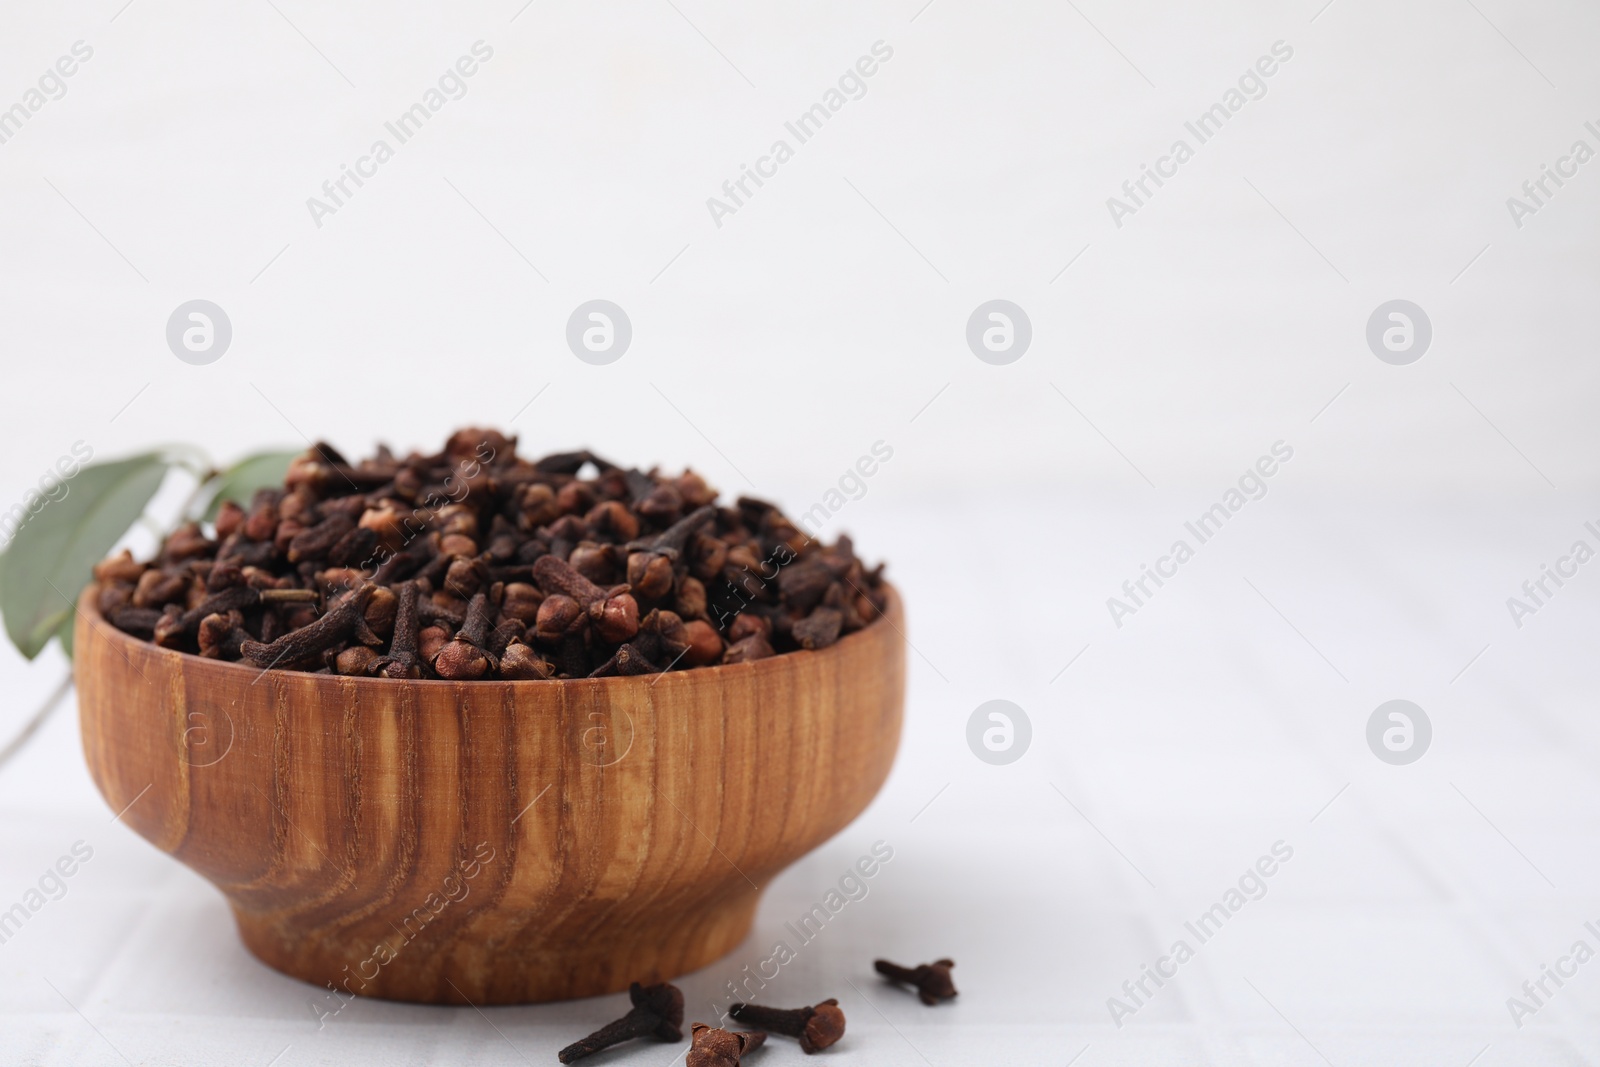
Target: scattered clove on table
[
  {"x": 712, "y": 1047},
  {"x": 657, "y": 1012},
  {"x": 932, "y": 980},
  {"x": 817, "y": 1027}
]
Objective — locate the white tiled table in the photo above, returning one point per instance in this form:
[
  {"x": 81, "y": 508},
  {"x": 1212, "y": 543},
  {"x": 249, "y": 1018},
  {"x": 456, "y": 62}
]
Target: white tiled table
[{"x": 1189, "y": 742}]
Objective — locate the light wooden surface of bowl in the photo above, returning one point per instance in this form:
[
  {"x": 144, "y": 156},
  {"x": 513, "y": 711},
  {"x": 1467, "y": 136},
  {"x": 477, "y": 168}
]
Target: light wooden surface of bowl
[{"x": 489, "y": 842}]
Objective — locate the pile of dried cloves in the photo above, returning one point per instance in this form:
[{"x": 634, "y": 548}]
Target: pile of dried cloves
[{"x": 473, "y": 563}]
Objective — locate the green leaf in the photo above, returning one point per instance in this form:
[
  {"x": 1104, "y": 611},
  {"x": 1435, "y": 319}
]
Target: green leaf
[
  {"x": 238, "y": 483},
  {"x": 52, "y": 556}
]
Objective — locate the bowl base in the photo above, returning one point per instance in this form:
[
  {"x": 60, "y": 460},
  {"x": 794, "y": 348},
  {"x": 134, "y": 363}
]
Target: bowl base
[{"x": 548, "y": 958}]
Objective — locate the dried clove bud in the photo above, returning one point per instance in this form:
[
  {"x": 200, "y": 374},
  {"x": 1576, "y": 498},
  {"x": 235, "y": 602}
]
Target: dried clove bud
[
  {"x": 627, "y": 660},
  {"x": 705, "y": 645},
  {"x": 693, "y": 489},
  {"x": 354, "y": 660},
  {"x": 442, "y": 608},
  {"x": 460, "y": 661},
  {"x": 931, "y": 979},
  {"x": 230, "y": 516},
  {"x": 712, "y": 1047},
  {"x": 817, "y": 1027},
  {"x": 225, "y": 574},
  {"x": 521, "y": 602},
  {"x": 595, "y": 562},
  {"x": 615, "y": 614},
  {"x": 381, "y": 611},
  {"x": 749, "y": 624},
  {"x": 219, "y": 636},
  {"x": 522, "y": 663},
  {"x": 141, "y": 622},
  {"x": 613, "y": 521},
  {"x": 307, "y": 644},
  {"x": 156, "y": 588},
  {"x": 660, "y": 504},
  {"x": 462, "y": 577},
  {"x": 186, "y": 542},
  {"x": 316, "y": 541},
  {"x": 465, "y": 658},
  {"x": 558, "y": 616},
  {"x": 113, "y": 595},
  {"x": 753, "y": 647},
  {"x": 430, "y": 641},
  {"x": 402, "y": 660},
  {"x": 819, "y": 629},
  {"x": 261, "y": 524},
  {"x": 537, "y": 507},
  {"x": 501, "y": 637},
  {"x": 119, "y": 568},
  {"x": 691, "y": 598},
  {"x": 657, "y": 1012},
  {"x": 650, "y": 575}
]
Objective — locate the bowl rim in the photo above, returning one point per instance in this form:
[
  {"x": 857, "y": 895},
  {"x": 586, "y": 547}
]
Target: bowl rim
[{"x": 89, "y": 611}]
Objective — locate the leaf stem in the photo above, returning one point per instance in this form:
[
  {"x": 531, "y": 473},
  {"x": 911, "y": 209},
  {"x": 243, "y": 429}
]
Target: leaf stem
[
  {"x": 191, "y": 458},
  {"x": 32, "y": 727},
  {"x": 191, "y": 510}
]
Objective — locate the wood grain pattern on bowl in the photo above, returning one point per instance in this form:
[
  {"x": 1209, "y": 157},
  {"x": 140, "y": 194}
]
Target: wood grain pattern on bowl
[{"x": 491, "y": 842}]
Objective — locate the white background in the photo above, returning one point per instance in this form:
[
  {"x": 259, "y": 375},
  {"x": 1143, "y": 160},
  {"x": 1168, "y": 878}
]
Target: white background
[{"x": 829, "y": 313}]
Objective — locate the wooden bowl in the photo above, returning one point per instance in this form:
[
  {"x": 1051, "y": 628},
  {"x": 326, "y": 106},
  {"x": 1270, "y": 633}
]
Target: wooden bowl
[{"x": 492, "y": 842}]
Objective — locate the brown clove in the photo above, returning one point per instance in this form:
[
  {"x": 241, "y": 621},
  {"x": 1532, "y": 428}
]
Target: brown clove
[
  {"x": 402, "y": 660},
  {"x": 614, "y": 614},
  {"x": 307, "y": 644},
  {"x": 712, "y": 1047},
  {"x": 817, "y": 1027},
  {"x": 657, "y": 1012},
  {"x": 931, "y": 979},
  {"x": 465, "y": 658}
]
